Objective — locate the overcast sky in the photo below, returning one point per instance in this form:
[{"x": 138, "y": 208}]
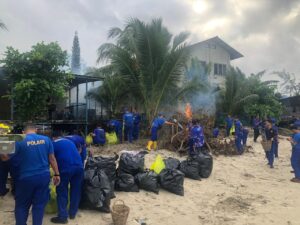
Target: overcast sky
[{"x": 266, "y": 32}]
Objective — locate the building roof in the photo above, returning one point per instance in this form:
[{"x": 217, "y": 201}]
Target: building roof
[
  {"x": 81, "y": 79},
  {"x": 234, "y": 54},
  {"x": 78, "y": 79}
]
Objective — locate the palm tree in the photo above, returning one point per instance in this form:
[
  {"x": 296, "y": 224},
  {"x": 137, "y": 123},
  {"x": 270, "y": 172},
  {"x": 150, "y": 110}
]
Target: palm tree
[
  {"x": 112, "y": 93},
  {"x": 237, "y": 92},
  {"x": 151, "y": 61},
  {"x": 290, "y": 84}
]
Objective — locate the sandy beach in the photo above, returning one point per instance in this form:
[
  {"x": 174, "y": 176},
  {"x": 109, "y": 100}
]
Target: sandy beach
[{"x": 242, "y": 190}]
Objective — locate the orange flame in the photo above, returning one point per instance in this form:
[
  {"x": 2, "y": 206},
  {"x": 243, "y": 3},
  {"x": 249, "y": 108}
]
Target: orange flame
[{"x": 188, "y": 111}]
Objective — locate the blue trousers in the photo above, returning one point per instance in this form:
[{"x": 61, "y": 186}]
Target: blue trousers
[
  {"x": 74, "y": 177},
  {"x": 276, "y": 149},
  {"x": 245, "y": 138},
  {"x": 238, "y": 143},
  {"x": 228, "y": 131},
  {"x": 295, "y": 161},
  {"x": 119, "y": 134},
  {"x": 271, "y": 154},
  {"x": 4, "y": 170},
  {"x": 128, "y": 133},
  {"x": 32, "y": 191},
  {"x": 136, "y": 131},
  {"x": 154, "y": 131}
]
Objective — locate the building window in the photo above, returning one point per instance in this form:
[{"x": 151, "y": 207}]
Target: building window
[{"x": 219, "y": 69}]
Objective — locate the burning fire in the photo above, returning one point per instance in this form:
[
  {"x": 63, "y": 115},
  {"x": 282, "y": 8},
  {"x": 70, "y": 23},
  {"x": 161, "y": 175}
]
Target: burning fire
[{"x": 188, "y": 111}]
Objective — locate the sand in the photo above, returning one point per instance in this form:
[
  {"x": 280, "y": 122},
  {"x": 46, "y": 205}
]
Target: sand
[{"x": 242, "y": 190}]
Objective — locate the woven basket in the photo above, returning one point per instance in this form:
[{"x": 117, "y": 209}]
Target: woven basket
[
  {"x": 119, "y": 213},
  {"x": 267, "y": 145}
]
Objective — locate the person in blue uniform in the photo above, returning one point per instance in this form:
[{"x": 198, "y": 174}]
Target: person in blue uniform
[
  {"x": 271, "y": 135},
  {"x": 228, "y": 123},
  {"x": 117, "y": 127},
  {"x": 80, "y": 144},
  {"x": 256, "y": 124},
  {"x": 273, "y": 120},
  {"x": 196, "y": 138},
  {"x": 136, "y": 125},
  {"x": 99, "y": 136},
  {"x": 71, "y": 173},
  {"x": 216, "y": 132},
  {"x": 32, "y": 157},
  {"x": 295, "y": 156},
  {"x": 128, "y": 126},
  {"x": 245, "y": 136},
  {"x": 238, "y": 135},
  {"x": 156, "y": 125}
]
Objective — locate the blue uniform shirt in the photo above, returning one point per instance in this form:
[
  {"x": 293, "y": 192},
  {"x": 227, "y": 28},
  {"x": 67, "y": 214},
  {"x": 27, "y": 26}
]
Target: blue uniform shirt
[
  {"x": 272, "y": 133},
  {"x": 296, "y": 138},
  {"x": 238, "y": 128},
  {"x": 256, "y": 123},
  {"x": 99, "y": 137},
  {"x": 216, "y": 132},
  {"x": 116, "y": 124},
  {"x": 229, "y": 122},
  {"x": 66, "y": 154},
  {"x": 136, "y": 119},
  {"x": 128, "y": 119},
  {"x": 80, "y": 144},
  {"x": 197, "y": 135},
  {"x": 32, "y": 155},
  {"x": 158, "y": 122}
]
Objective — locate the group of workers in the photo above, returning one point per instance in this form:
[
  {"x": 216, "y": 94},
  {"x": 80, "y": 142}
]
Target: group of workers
[
  {"x": 235, "y": 127},
  {"x": 129, "y": 128},
  {"x": 269, "y": 131},
  {"x": 30, "y": 164},
  {"x": 30, "y": 169}
]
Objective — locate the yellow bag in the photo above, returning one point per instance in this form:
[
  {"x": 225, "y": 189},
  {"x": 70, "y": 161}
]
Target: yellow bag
[
  {"x": 158, "y": 165},
  {"x": 232, "y": 130},
  {"x": 89, "y": 139},
  {"x": 51, "y": 207},
  {"x": 111, "y": 138}
]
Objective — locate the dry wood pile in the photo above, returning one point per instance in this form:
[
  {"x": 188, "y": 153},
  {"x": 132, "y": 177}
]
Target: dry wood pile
[{"x": 176, "y": 137}]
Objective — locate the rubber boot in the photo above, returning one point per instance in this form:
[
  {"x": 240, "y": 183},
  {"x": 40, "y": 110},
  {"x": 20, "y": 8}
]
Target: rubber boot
[
  {"x": 150, "y": 143},
  {"x": 155, "y": 145}
]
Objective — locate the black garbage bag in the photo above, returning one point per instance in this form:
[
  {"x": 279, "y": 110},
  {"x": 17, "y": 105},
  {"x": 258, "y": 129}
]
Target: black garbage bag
[
  {"x": 172, "y": 181},
  {"x": 125, "y": 182},
  {"x": 190, "y": 168},
  {"x": 96, "y": 193},
  {"x": 107, "y": 164},
  {"x": 205, "y": 161},
  {"x": 172, "y": 163},
  {"x": 148, "y": 181},
  {"x": 132, "y": 164}
]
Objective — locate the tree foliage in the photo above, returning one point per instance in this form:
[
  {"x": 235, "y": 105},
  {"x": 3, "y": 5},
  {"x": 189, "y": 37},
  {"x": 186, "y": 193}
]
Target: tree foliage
[
  {"x": 150, "y": 61},
  {"x": 38, "y": 78},
  {"x": 250, "y": 95},
  {"x": 75, "y": 64},
  {"x": 111, "y": 94}
]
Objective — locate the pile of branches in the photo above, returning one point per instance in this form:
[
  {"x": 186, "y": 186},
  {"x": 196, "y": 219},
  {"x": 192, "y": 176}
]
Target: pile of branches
[{"x": 176, "y": 137}]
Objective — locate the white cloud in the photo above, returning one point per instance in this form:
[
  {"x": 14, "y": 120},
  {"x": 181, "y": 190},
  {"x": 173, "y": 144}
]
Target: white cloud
[{"x": 266, "y": 32}]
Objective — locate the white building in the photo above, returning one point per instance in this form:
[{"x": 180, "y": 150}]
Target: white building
[{"x": 217, "y": 54}]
